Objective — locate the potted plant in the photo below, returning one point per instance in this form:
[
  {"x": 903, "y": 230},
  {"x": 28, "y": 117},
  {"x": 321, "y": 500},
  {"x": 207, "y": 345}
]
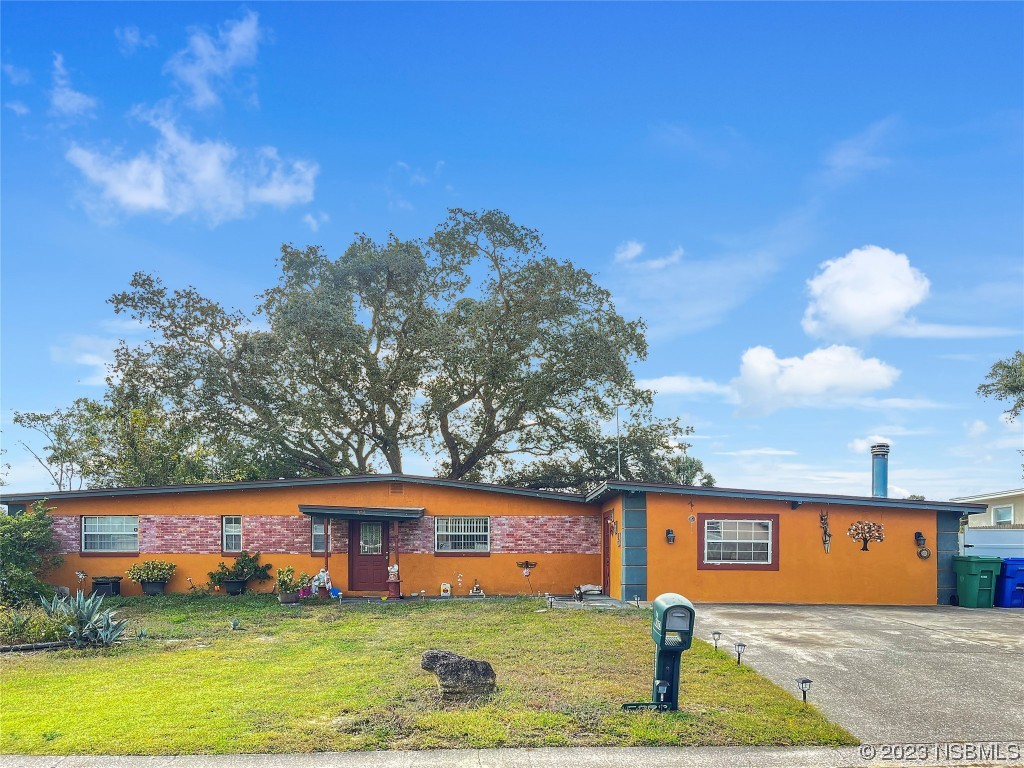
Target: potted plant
[
  {"x": 288, "y": 585},
  {"x": 153, "y": 575},
  {"x": 245, "y": 568}
]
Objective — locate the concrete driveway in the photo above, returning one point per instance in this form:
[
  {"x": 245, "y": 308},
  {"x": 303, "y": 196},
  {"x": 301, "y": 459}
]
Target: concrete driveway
[{"x": 889, "y": 674}]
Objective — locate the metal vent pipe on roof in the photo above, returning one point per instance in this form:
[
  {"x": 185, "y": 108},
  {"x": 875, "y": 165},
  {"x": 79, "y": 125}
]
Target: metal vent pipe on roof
[{"x": 880, "y": 470}]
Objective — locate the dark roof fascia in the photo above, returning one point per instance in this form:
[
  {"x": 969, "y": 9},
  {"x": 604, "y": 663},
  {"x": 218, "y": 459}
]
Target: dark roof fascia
[
  {"x": 13, "y": 498},
  {"x": 611, "y": 488},
  {"x": 363, "y": 513}
]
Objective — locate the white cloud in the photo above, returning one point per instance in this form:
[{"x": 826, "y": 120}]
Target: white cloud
[
  {"x": 18, "y": 108},
  {"x": 93, "y": 352},
  {"x": 911, "y": 329},
  {"x": 17, "y": 75},
  {"x": 124, "y": 325},
  {"x": 870, "y": 291},
  {"x": 181, "y": 175},
  {"x": 65, "y": 101},
  {"x": 867, "y": 291},
  {"x": 314, "y": 222},
  {"x": 859, "y": 154},
  {"x": 208, "y": 63},
  {"x": 835, "y": 376},
  {"x": 275, "y": 183},
  {"x": 862, "y": 445},
  {"x": 757, "y": 452},
  {"x": 628, "y": 250},
  {"x": 686, "y": 385},
  {"x": 130, "y": 39},
  {"x": 975, "y": 428},
  {"x": 824, "y": 377}
]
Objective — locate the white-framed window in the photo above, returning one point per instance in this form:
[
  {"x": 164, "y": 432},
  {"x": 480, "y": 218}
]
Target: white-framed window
[
  {"x": 738, "y": 541},
  {"x": 462, "y": 534},
  {"x": 1002, "y": 515},
  {"x": 231, "y": 533},
  {"x": 110, "y": 533},
  {"x": 321, "y": 528}
]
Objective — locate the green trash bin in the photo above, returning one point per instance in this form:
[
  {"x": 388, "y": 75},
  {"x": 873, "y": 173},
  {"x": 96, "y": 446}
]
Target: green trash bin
[{"x": 976, "y": 580}]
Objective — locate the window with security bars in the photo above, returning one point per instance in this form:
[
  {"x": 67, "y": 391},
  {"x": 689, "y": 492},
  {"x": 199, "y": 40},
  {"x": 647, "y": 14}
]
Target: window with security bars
[
  {"x": 462, "y": 534},
  {"x": 110, "y": 533},
  {"x": 231, "y": 533},
  {"x": 737, "y": 541}
]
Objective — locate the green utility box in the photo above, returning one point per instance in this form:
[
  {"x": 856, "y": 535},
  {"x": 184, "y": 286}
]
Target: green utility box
[{"x": 976, "y": 580}]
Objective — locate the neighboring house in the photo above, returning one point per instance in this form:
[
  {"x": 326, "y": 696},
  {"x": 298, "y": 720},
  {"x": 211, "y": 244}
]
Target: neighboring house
[
  {"x": 1004, "y": 508},
  {"x": 635, "y": 540},
  {"x": 999, "y": 530}
]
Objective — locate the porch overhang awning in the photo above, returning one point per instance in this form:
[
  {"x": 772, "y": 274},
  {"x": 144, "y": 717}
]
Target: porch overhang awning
[{"x": 362, "y": 513}]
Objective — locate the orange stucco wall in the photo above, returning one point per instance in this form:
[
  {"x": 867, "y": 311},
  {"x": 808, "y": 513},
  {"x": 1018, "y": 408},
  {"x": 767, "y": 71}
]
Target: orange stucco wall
[
  {"x": 889, "y": 573},
  {"x": 497, "y": 573}
]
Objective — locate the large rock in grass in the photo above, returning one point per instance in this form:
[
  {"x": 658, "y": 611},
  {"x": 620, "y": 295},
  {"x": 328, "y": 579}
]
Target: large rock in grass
[{"x": 457, "y": 676}]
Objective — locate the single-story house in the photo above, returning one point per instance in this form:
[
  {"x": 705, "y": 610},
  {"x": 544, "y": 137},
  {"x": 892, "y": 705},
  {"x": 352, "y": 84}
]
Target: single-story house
[
  {"x": 998, "y": 530},
  {"x": 635, "y": 540}
]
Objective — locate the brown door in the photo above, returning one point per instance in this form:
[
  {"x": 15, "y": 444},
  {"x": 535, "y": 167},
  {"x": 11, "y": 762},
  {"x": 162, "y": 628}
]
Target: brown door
[
  {"x": 368, "y": 556},
  {"x": 606, "y": 553}
]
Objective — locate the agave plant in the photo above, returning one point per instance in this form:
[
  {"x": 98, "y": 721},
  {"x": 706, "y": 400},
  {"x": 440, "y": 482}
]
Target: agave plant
[{"x": 88, "y": 623}]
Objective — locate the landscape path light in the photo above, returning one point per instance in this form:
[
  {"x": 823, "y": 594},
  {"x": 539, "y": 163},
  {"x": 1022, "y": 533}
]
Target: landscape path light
[
  {"x": 805, "y": 686},
  {"x": 740, "y": 648},
  {"x": 716, "y": 636}
]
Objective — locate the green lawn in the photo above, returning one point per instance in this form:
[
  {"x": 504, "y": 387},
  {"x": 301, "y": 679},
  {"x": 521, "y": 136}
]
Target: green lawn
[{"x": 329, "y": 677}]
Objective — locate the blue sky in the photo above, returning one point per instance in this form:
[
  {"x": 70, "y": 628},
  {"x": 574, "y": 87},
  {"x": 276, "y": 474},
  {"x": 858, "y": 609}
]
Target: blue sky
[{"x": 817, "y": 208}]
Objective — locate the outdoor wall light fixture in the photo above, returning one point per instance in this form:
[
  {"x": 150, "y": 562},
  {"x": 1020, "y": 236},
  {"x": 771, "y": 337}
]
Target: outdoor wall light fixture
[
  {"x": 740, "y": 648},
  {"x": 716, "y": 636},
  {"x": 919, "y": 539},
  {"x": 670, "y": 536},
  {"x": 805, "y": 686}
]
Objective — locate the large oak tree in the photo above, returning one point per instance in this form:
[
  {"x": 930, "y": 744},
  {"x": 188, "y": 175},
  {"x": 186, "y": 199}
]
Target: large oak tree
[{"x": 472, "y": 347}]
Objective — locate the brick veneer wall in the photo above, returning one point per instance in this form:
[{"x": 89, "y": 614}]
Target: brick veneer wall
[
  {"x": 546, "y": 534},
  {"x": 179, "y": 534},
  {"x": 535, "y": 534},
  {"x": 67, "y": 529},
  {"x": 416, "y": 537},
  {"x": 287, "y": 534},
  {"x": 339, "y": 537},
  {"x": 290, "y": 534}
]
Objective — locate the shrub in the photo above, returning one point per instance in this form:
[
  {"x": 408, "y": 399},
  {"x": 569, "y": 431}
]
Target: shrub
[
  {"x": 28, "y": 550},
  {"x": 151, "y": 570},
  {"x": 287, "y": 582},
  {"x": 30, "y": 624},
  {"x": 245, "y": 568},
  {"x": 86, "y": 624}
]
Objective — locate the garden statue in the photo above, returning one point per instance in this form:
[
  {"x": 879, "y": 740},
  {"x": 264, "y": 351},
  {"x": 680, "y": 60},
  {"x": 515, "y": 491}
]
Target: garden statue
[
  {"x": 393, "y": 572},
  {"x": 321, "y": 581}
]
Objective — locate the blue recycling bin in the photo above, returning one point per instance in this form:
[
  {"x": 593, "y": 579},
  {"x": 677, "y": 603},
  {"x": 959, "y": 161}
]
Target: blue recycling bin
[{"x": 1010, "y": 584}]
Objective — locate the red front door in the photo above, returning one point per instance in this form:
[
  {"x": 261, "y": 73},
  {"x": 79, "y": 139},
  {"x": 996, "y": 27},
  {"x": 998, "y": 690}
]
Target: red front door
[{"x": 368, "y": 556}]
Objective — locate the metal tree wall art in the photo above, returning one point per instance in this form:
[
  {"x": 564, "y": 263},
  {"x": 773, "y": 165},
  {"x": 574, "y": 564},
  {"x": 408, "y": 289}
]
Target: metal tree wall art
[
  {"x": 865, "y": 531},
  {"x": 826, "y": 534}
]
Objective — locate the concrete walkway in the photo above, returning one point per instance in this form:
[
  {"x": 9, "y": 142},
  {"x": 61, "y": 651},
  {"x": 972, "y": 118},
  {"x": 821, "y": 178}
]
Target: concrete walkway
[
  {"x": 582, "y": 757},
  {"x": 889, "y": 674}
]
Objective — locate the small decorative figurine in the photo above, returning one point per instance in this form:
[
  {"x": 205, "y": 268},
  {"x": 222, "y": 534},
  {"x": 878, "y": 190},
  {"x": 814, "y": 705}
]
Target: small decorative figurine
[
  {"x": 393, "y": 572},
  {"x": 321, "y": 581}
]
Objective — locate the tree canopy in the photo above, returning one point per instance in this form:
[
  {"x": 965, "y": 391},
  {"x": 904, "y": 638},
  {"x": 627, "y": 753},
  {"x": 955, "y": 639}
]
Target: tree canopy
[
  {"x": 1005, "y": 381},
  {"x": 472, "y": 347}
]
